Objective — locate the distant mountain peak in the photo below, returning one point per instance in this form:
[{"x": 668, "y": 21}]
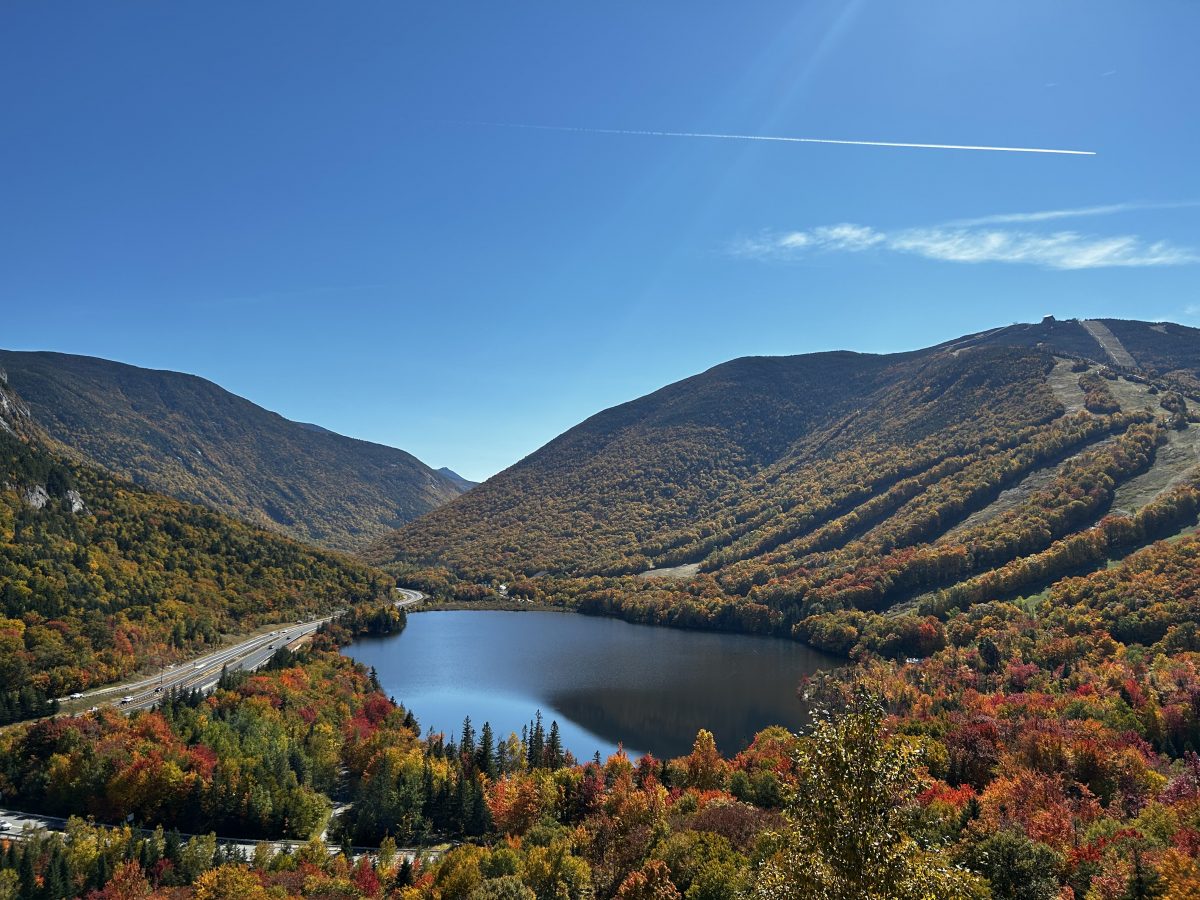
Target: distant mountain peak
[
  {"x": 188, "y": 437},
  {"x": 464, "y": 483}
]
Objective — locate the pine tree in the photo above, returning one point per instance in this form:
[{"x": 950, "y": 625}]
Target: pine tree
[
  {"x": 427, "y": 791},
  {"x": 101, "y": 873},
  {"x": 1144, "y": 882},
  {"x": 481, "y": 816},
  {"x": 26, "y": 876},
  {"x": 467, "y": 745},
  {"x": 537, "y": 742},
  {"x": 57, "y": 881},
  {"x": 554, "y": 748},
  {"x": 462, "y": 802},
  {"x": 502, "y": 762},
  {"x": 171, "y": 847},
  {"x": 485, "y": 758}
]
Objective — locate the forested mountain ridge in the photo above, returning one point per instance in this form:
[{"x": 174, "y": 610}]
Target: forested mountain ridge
[
  {"x": 798, "y": 495},
  {"x": 187, "y": 437},
  {"x": 100, "y": 578}
]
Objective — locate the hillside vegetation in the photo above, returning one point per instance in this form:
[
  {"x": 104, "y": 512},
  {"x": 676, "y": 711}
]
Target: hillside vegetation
[
  {"x": 1032, "y": 757},
  {"x": 184, "y": 436},
  {"x": 100, "y": 578},
  {"x": 851, "y": 501}
]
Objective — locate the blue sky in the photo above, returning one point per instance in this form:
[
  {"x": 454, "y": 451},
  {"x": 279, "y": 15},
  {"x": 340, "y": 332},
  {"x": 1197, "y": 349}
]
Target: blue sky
[{"x": 321, "y": 207}]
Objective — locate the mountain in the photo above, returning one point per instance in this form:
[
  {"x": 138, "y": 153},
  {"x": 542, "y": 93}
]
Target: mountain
[
  {"x": 187, "y": 437},
  {"x": 100, "y": 578},
  {"x": 457, "y": 479},
  {"x": 770, "y": 492}
]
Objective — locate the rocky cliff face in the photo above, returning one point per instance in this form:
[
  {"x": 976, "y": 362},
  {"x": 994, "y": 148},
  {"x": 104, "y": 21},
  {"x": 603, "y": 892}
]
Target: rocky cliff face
[{"x": 14, "y": 412}]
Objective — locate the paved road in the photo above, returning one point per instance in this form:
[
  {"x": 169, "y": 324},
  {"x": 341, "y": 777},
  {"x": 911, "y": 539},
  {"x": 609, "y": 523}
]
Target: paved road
[{"x": 205, "y": 672}]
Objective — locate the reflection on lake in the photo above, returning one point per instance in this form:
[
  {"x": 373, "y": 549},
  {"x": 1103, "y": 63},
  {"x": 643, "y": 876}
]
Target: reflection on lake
[{"x": 603, "y": 680}]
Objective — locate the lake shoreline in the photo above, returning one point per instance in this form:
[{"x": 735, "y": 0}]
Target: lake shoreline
[
  {"x": 605, "y": 681},
  {"x": 492, "y": 605}
]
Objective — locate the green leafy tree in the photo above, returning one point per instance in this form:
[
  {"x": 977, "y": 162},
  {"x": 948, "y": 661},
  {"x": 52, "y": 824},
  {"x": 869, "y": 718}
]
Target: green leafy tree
[
  {"x": 507, "y": 887},
  {"x": 845, "y": 838},
  {"x": 1016, "y": 867}
]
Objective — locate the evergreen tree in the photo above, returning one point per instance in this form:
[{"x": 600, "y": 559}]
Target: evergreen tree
[
  {"x": 537, "y": 742},
  {"x": 554, "y": 748},
  {"x": 485, "y": 758},
  {"x": 467, "y": 745},
  {"x": 101, "y": 872},
  {"x": 481, "y": 818},
  {"x": 171, "y": 847},
  {"x": 462, "y": 802},
  {"x": 26, "y": 876},
  {"x": 1144, "y": 882},
  {"x": 57, "y": 881},
  {"x": 502, "y": 762}
]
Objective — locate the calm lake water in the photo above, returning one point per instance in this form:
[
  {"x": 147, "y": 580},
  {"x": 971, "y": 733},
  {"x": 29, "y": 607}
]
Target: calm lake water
[{"x": 603, "y": 680}]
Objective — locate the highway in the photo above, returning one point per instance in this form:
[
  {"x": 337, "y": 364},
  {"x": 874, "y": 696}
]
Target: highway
[
  {"x": 205, "y": 671},
  {"x": 202, "y": 673}
]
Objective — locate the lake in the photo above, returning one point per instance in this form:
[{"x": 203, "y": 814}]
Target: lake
[{"x": 605, "y": 681}]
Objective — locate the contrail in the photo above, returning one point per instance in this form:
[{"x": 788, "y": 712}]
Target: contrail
[{"x": 798, "y": 140}]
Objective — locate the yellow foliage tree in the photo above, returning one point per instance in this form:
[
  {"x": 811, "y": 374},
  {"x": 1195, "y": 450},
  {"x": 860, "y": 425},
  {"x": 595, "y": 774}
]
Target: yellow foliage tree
[
  {"x": 845, "y": 839},
  {"x": 230, "y": 882}
]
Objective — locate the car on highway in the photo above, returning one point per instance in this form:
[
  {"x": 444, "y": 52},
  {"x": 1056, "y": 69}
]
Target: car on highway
[
  {"x": 77, "y": 696},
  {"x": 198, "y": 666},
  {"x": 4, "y": 826},
  {"x": 128, "y": 698}
]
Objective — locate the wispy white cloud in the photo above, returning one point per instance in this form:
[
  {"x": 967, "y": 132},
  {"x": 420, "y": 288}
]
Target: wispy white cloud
[
  {"x": 1057, "y": 250},
  {"x": 1048, "y": 215},
  {"x": 970, "y": 241}
]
